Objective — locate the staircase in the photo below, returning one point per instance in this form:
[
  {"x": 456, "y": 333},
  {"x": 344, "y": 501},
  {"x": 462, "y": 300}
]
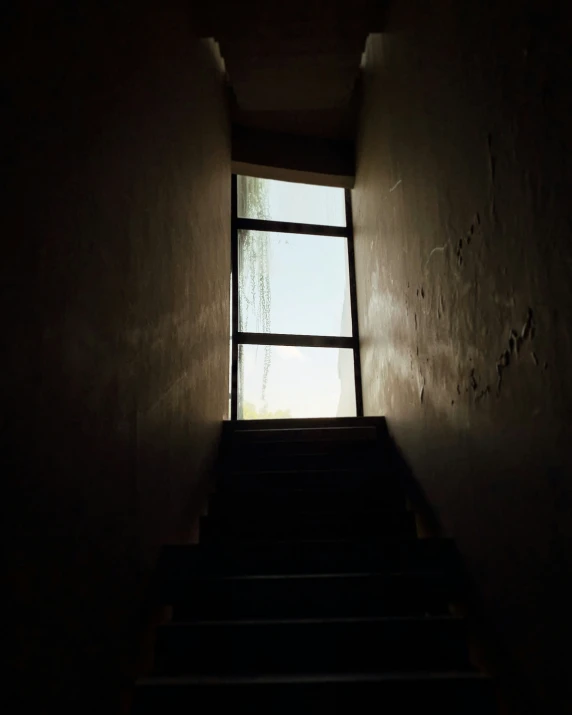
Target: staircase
[{"x": 309, "y": 591}]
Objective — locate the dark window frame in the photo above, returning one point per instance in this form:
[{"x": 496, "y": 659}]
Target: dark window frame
[{"x": 318, "y": 341}]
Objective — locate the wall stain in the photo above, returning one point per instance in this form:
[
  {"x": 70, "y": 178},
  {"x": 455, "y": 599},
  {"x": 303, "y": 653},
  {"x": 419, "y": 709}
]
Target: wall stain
[
  {"x": 502, "y": 363},
  {"x": 475, "y": 226},
  {"x": 483, "y": 393},
  {"x": 528, "y": 329},
  {"x": 437, "y": 249},
  {"x": 515, "y": 342},
  {"x": 471, "y": 233}
]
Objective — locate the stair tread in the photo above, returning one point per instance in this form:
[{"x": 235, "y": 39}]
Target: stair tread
[
  {"x": 303, "y": 460},
  {"x": 305, "y": 423},
  {"x": 340, "y": 576},
  {"x": 448, "y": 692},
  {"x": 298, "y": 445},
  {"x": 352, "y": 514},
  {"x": 363, "y": 677},
  {"x": 289, "y": 622}
]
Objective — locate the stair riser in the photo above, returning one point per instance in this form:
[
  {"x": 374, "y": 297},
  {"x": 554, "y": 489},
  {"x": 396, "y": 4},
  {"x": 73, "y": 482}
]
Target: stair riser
[
  {"x": 431, "y": 697},
  {"x": 311, "y": 648},
  {"x": 276, "y": 503},
  {"x": 264, "y": 449},
  {"x": 376, "y": 484},
  {"x": 305, "y": 460},
  {"x": 340, "y": 435},
  {"x": 396, "y": 531},
  {"x": 180, "y": 564},
  {"x": 309, "y": 598}
]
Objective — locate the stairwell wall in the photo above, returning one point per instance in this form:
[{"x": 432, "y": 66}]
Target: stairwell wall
[
  {"x": 464, "y": 274},
  {"x": 115, "y": 276}
]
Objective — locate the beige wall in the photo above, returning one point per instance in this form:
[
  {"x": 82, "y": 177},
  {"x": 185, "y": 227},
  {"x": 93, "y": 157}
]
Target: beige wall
[
  {"x": 116, "y": 299},
  {"x": 462, "y": 230}
]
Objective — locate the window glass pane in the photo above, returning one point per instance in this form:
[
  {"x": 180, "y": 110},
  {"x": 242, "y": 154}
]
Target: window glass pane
[
  {"x": 292, "y": 283},
  {"x": 285, "y": 201},
  {"x": 284, "y": 381}
]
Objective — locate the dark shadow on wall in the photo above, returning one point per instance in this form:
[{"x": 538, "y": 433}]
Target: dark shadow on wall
[
  {"x": 488, "y": 650},
  {"x": 115, "y": 273}
]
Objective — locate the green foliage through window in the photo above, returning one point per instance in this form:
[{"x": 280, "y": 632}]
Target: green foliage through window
[{"x": 249, "y": 412}]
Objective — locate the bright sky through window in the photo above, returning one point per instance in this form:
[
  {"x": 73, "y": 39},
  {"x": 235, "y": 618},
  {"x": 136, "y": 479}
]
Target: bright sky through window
[{"x": 309, "y": 295}]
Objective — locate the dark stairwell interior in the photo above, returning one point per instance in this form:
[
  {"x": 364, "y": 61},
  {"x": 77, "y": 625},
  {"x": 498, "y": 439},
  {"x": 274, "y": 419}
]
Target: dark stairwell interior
[
  {"x": 124, "y": 127},
  {"x": 309, "y": 590}
]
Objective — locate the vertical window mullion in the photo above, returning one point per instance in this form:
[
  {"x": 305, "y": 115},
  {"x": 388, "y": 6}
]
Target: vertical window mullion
[
  {"x": 353, "y": 302},
  {"x": 235, "y": 281}
]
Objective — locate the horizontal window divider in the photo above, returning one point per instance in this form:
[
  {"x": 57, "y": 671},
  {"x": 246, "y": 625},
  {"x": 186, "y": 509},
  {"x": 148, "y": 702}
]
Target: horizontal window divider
[
  {"x": 299, "y": 341},
  {"x": 255, "y": 224}
]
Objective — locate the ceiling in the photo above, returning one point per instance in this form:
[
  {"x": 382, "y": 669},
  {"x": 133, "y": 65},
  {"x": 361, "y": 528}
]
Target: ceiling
[{"x": 292, "y": 67}]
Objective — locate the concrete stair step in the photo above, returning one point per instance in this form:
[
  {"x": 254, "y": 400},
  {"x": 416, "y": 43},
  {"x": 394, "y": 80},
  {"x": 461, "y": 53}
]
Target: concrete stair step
[
  {"x": 311, "y": 646},
  {"x": 306, "y": 423},
  {"x": 358, "y": 434},
  {"x": 311, "y": 596},
  {"x": 249, "y": 503},
  {"x": 393, "y": 526},
  {"x": 283, "y": 476},
  {"x": 451, "y": 693},
  {"x": 297, "y": 452},
  {"x": 180, "y": 564}
]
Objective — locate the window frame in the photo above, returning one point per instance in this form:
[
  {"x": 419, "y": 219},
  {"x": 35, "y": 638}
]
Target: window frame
[{"x": 318, "y": 341}]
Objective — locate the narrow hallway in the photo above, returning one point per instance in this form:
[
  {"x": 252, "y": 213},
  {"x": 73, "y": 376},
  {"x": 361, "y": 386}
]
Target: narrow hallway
[{"x": 309, "y": 590}]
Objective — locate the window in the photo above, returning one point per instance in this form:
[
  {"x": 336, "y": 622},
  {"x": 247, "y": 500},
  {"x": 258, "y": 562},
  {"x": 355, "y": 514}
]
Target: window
[{"x": 295, "y": 344}]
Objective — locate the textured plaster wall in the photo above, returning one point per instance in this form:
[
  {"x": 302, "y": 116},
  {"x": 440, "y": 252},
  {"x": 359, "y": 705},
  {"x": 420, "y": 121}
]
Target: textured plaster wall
[
  {"x": 464, "y": 272},
  {"x": 115, "y": 277}
]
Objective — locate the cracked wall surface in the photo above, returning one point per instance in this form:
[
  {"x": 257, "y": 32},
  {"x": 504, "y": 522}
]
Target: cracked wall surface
[{"x": 464, "y": 274}]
